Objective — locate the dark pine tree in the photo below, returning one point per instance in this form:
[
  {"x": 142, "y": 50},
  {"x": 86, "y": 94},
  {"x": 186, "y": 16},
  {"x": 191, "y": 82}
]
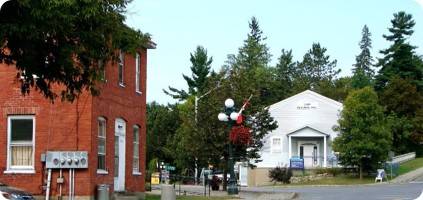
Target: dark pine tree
[
  {"x": 400, "y": 84},
  {"x": 362, "y": 71},
  {"x": 400, "y": 59},
  {"x": 316, "y": 68},
  {"x": 200, "y": 69},
  {"x": 285, "y": 73}
]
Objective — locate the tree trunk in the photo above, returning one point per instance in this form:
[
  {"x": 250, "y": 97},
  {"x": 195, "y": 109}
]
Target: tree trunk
[{"x": 361, "y": 171}]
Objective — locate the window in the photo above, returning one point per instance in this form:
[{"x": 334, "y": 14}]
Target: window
[
  {"x": 121, "y": 67},
  {"x": 101, "y": 154},
  {"x": 102, "y": 70},
  {"x": 136, "y": 160},
  {"x": 276, "y": 145},
  {"x": 21, "y": 131},
  {"x": 137, "y": 73}
]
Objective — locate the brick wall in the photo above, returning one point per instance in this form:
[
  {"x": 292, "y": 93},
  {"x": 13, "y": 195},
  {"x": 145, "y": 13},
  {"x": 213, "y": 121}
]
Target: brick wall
[
  {"x": 115, "y": 102},
  {"x": 58, "y": 126},
  {"x": 68, "y": 126}
]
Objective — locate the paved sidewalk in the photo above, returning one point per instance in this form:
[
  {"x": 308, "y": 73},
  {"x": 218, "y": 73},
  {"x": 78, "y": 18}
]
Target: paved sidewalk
[
  {"x": 409, "y": 177},
  {"x": 244, "y": 193}
]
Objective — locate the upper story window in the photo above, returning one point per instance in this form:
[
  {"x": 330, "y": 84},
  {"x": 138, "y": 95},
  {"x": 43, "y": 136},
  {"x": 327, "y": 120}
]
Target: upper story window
[
  {"x": 20, "y": 149},
  {"x": 102, "y": 72},
  {"x": 136, "y": 153},
  {"x": 276, "y": 146},
  {"x": 121, "y": 68},
  {"x": 101, "y": 154},
  {"x": 137, "y": 72}
]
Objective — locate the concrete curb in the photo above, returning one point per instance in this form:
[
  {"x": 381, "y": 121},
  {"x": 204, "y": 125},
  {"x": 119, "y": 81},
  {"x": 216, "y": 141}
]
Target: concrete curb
[{"x": 250, "y": 195}]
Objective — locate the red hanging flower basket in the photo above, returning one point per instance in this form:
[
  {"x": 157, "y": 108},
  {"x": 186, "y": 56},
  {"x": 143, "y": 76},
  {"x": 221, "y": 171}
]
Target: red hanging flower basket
[{"x": 240, "y": 135}]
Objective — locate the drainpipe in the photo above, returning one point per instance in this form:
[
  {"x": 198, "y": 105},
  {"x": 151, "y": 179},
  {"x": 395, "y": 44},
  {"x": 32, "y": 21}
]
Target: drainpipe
[{"x": 48, "y": 184}]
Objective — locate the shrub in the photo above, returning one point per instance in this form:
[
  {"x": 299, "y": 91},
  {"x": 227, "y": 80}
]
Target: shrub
[{"x": 281, "y": 174}]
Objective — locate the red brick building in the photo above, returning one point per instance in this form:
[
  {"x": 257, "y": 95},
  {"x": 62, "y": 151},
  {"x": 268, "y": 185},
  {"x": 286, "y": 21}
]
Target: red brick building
[{"x": 111, "y": 127}]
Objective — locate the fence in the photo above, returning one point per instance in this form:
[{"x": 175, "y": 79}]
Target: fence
[
  {"x": 184, "y": 185},
  {"x": 404, "y": 158}
]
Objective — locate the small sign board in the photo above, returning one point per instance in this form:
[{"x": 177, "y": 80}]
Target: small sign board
[
  {"x": 165, "y": 174},
  {"x": 296, "y": 163},
  {"x": 170, "y": 168}
]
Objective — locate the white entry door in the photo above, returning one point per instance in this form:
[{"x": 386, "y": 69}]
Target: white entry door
[
  {"x": 309, "y": 153},
  {"x": 119, "y": 169},
  {"x": 243, "y": 175}
]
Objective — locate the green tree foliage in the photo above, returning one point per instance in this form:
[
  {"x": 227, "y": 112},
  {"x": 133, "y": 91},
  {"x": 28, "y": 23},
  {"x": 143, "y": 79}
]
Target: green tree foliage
[
  {"x": 59, "y": 42},
  {"x": 200, "y": 69},
  {"x": 362, "y": 71},
  {"x": 254, "y": 53},
  {"x": 162, "y": 122},
  {"x": 400, "y": 84},
  {"x": 417, "y": 134},
  {"x": 400, "y": 59},
  {"x": 364, "y": 138},
  {"x": 261, "y": 123},
  {"x": 247, "y": 74},
  {"x": 285, "y": 74},
  {"x": 337, "y": 89},
  {"x": 315, "y": 68},
  {"x": 403, "y": 103},
  {"x": 206, "y": 141},
  {"x": 249, "y": 70}
]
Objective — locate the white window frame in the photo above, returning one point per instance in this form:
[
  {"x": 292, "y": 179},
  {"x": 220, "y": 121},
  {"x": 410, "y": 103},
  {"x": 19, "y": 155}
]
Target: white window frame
[
  {"x": 20, "y": 169},
  {"x": 102, "y": 120},
  {"x": 136, "y": 169},
  {"x": 102, "y": 66},
  {"x": 137, "y": 73},
  {"x": 121, "y": 66},
  {"x": 273, "y": 148}
]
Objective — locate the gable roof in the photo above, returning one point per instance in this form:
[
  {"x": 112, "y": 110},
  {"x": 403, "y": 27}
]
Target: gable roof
[
  {"x": 309, "y": 93},
  {"x": 291, "y": 132}
]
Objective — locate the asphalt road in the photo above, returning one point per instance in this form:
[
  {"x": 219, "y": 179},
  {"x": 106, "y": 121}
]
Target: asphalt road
[
  {"x": 366, "y": 192},
  {"x": 381, "y": 191}
]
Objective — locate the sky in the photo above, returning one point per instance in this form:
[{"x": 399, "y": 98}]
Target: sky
[{"x": 221, "y": 26}]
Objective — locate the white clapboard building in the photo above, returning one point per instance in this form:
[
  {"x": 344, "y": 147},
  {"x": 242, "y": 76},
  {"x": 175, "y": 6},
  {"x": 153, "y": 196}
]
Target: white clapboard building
[{"x": 305, "y": 130}]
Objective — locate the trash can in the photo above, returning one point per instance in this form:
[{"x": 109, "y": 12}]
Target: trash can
[{"x": 102, "y": 192}]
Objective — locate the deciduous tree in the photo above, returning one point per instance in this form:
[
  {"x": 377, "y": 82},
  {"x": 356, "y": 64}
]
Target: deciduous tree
[
  {"x": 55, "y": 42},
  {"x": 365, "y": 138},
  {"x": 162, "y": 123}
]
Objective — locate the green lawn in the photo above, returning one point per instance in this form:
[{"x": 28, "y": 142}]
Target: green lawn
[
  {"x": 157, "y": 197},
  {"x": 410, "y": 165}
]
